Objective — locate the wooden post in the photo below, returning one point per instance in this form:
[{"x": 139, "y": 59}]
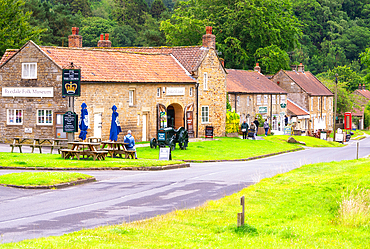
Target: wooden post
[
  {"x": 241, "y": 215},
  {"x": 357, "y": 149}
]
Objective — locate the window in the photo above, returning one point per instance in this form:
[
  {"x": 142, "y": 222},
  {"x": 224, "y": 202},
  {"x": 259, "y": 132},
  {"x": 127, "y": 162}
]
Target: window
[
  {"x": 205, "y": 81},
  {"x": 131, "y": 97},
  {"x": 15, "y": 117},
  {"x": 158, "y": 92},
  {"x": 311, "y": 103},
  {"x": 273, "y": 99},
  {"x": 248, "y": 100},
  {"x": 205, "y": 114},
  {"x": 191, "y": 91},
  {"x": 324, "y": 103},
  {"x": 238, "y": 100},
  {"x": 258, "y": 99},
  {"x": 265, "y": 99},
  {"x": 45, "y": 117},
  {"x": 29, "y": 70},
  {"x": 282, "y": 99}
]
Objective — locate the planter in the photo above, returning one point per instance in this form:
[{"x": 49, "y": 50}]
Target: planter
[{"x": 233, "y": 134}]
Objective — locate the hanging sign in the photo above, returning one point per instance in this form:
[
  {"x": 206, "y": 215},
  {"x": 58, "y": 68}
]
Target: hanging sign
[
  {"x": 71, "y": 82},
  {"x": 70, "y": 122}
]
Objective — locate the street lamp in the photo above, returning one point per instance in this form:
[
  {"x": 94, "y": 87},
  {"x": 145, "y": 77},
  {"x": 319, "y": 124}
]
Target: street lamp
[{"x": 335, "y": 103}]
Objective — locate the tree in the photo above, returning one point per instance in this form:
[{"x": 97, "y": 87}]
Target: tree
[
  {"x": 157, "y": 9},
  {"x": 130, "y": 12},
  {"x": 123, "y": 36},
  {"x": 92, "y": 27},
  {"x": 150, "y": 35},
  {"x": 15, "y": 30},
  {"x": 272, "y": 59}
]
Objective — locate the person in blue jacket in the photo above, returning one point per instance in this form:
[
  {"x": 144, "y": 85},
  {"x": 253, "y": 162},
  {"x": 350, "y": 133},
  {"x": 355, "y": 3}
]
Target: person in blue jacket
[{"x": 130, "y": 142}]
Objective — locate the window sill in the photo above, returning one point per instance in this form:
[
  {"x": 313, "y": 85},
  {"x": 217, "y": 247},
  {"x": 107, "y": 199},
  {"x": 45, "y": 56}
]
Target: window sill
[
  {"x": 44, "y": 124},
  {"x": 14, "y": 124}
]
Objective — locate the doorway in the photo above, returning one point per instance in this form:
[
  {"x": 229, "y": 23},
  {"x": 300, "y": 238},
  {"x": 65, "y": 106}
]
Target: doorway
[
  {"x": 97, "y": 124},
  {"x": 175, "y": 116}
]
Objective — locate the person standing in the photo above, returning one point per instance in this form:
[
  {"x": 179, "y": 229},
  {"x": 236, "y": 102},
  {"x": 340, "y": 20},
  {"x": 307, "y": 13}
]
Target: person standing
[
  {"x": 244, "y": 127},
  {"x": 286, "y": 120},
  {"x": 115, "y": 127},
  {"x": 252, "y": 134},
  {"x": 266, "y": 127},
  {"x": 257, "y": 124},
  {"x": 130, "y": 142}
]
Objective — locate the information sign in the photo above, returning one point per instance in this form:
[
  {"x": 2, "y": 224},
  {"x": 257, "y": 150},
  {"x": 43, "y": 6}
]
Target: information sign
[
  {"x": 165, "y": 154},
  {"x": 262, "y": 109},
  {"x": 287, "y": 130},
  {"x": 161, "y": 136},
  {"x": 209, "y": 132},
  {"x": 70, "y": 122},
  {"x": 71, "y": 85}
]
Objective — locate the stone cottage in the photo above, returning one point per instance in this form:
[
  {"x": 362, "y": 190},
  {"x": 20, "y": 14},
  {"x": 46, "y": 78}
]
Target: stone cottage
[
  {"x": 151, "y": 87},
  {"x": 251, "y": 93},
  {"x": 307, "y": 92}
]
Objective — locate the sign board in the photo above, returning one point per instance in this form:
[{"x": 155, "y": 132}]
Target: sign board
[
  {"x": 161, "y": 136},
  {"x": 262, "y": 109},
  {"x": 70, "y": 122},
  {"x": 209, "y": 132},
  {"x": 27, "y": 130},
  {"x": 189, "y": 122},
  {"x": 163, "y": 118},
  {"x": 283, "y": 105},
  {"x": 175, "y": 91},
  {"x": 287, "y": 130},
  {"x": 339, "y": 137},
  {"x": 71, "y": 82},
  {"x": 323, "y": 135},
  {"x": 32, "y": 92},
  {"x": 165, "y": 154}
]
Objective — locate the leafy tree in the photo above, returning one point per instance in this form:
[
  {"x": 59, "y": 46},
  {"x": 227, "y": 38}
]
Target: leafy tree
[
  {"x": 130, "y": 12},
  {"x": 157, "y": 8},
  {"x": 15, "y": 30},
  {"x": 150, "y": 35},
  {"x": 232, "y": 122},
  {"x": 102, "y": 8},
  {"x": 123, "y": 36},
  {"x": 272, "y": 59},
  {"x": 92, "y": 27},
  {"x": 77, "y": 6}
]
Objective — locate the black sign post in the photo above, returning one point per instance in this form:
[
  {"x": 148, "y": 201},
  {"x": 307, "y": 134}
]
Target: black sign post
[
  {"x": 70, "y": 122},
  {"x": 209, "y": 132}
]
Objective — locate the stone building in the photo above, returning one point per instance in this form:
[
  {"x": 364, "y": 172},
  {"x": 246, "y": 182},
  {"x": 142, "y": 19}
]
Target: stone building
[
  {"x": 362, "y": 98},
  {"x": 307, "y": 92},
  {"x": 251, "y": 93},
  {"x": 151, "y": 87}
]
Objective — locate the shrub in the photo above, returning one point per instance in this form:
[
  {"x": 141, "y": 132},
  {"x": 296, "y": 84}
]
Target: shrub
[{"x": 232, "y": 122}]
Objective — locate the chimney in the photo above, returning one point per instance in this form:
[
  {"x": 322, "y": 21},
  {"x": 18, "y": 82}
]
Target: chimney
[
  {"x": 104, "y": 43},
  {"x": 359, "y": 86},
  {"x": 293, "y": 67},
  {"x": 209, "y": 40},
  {"x": 300, "y": 68},
  {"x": 257, "y": 68},
  {"x": 75, "y": 40},
  {"x": 363, "y": 86},
  {"x": 222, "y": 62}
]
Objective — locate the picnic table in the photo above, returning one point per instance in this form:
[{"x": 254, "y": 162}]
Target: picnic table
[
  {"x": 117, "y": 148},
  {"x": 84, "y": 149},
  {"x": 52, "y": 143}
]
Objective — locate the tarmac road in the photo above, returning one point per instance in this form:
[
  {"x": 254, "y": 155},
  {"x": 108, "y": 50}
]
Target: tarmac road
[{"x": 124, "y": 196}]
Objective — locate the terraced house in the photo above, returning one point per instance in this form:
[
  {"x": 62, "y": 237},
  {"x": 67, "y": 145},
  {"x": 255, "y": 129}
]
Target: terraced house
[{"x": 151, "y": 87}]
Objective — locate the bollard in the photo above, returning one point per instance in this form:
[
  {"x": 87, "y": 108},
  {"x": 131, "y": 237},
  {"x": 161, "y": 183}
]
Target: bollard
[
  {"x": 357, "y": 150},
  {"x": 241, "y": 215}
]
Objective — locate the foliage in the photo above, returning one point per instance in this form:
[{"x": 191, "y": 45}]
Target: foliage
[
  {"x": 260, "y": 119},
  {"x": 157, "y": 8},
  {"x": 92, "y": 27},
  {"x": 130, "y": 12},
  {"x": 15, "y": 29},
  {"x": 150, "y": 35},
  {"x": 298, "y": 209},
  {"x": 310, "y": 141},
  {"x": 272, "y": 59},
  {"x": 232, "y": 122}
]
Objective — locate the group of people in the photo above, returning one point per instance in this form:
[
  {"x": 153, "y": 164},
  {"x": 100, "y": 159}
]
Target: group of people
[{"x": 253, "y": 129}]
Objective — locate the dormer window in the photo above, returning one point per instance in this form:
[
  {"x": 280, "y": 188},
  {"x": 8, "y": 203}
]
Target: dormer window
[{"x": 29, "y": 70}]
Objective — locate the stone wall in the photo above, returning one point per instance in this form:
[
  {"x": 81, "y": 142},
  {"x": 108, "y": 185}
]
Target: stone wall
[
  {"x": 48, "y": 75},
  {"x": 215, "y": 96}
]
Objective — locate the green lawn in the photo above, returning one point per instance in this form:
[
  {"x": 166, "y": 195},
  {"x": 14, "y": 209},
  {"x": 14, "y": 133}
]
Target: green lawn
[
  {"x": 56, "y": 161},
  {"x": 299, "y": 209},
  {"x": 222, "y": 149},
  {"x": 41, "y": 178},
  {"x": 310, "y": 141}
]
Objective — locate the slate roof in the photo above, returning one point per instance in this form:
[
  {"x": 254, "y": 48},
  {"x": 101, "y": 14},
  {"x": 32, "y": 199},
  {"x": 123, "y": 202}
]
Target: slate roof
[
  {"x": 8, "y": 53},
  {"x": 119, "y": 66},
  {"x": 364, "y": 92},
  {"x": 296, "y": 109},
  {"x": 242, "y": 81},
  {"x": 309, "y": 83},
  {"x": 189, "y": 57}
]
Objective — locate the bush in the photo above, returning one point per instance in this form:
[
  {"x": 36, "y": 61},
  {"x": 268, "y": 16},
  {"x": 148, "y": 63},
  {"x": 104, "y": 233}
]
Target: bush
[{"x": 232, "y": 122}]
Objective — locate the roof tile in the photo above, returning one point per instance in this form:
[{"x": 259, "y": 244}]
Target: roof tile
[{"x": 309, "y": 83}]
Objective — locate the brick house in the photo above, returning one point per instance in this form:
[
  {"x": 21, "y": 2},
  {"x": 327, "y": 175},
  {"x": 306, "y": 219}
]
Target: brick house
[
  {"x": 251, "y": 93},
  {"x": 307, "y": 92},
  {"x": 362, "y": 96},
  {"x": 186, "y": 84}
]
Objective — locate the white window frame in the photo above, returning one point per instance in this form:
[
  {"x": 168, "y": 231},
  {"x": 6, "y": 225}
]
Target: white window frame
[
  {"x": 205, "y": 114},
  {"x": 258, "y": 100},
  {"x": 46, "y": 118},
  {"x": 273, "y": 99},
  {"x": 248, "y": 100},
  {"x": 282, "y": 99},
  {"x": 158, "y": 92},
  {"x": 131, "y": 97},
  {"x": 28, "y": 72},
  {"x": 191, "y": 92},
  {"x": 205, "y": 81},
  {"x": 13, "y": 113},
  {"x": 265, "y": 99},
  {"x": 238, "y": 100}
]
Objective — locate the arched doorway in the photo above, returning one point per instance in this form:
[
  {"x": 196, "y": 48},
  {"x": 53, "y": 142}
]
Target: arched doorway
[{"x": 175, "y": 116}]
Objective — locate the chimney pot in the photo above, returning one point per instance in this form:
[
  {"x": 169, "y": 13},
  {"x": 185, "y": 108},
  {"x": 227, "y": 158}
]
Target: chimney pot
[
  {"x": 75, "y": 40},
  {"x": 301, "y": 68},
  {"x": 104, "y": 43},
  {"x": 293, "y": 67},
  {"x": 363, "y": 86},
  {"x": 209, "y": 40},
  {"x": 101, "y": 37},
  {"x": 209, "y": 30},
  {"x": 257, "y": 68},
  {"x": 107, "y": 36}
]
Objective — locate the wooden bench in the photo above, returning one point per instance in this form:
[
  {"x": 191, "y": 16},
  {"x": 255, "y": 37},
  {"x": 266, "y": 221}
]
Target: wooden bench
[
  {"x": 67, "y": 153},
  {"x": 16, "y": 145},
  {"x": 129, "y": 153}
]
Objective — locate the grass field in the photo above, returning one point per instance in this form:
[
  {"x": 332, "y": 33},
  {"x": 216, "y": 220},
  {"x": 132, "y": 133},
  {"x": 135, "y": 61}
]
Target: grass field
[
  {"x": 41, "y": 178},
  {"x": 310, "y": 141},
  {"x": 323, "y": 205}
]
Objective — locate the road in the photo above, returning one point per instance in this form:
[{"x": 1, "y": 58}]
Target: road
[{"x": 124, "y": 196}]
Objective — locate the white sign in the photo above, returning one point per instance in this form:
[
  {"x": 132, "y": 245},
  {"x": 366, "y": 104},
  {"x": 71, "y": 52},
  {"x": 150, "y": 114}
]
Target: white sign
[
  {"x": 175, "y": 91},
  {"x": 36, "y": 92},
  {"x": 27, "y": 130},
  {"x": 165, "y": 154}
]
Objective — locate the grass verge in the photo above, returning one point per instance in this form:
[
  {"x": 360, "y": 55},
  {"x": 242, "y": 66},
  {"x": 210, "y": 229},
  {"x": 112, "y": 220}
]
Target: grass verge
[
  {"x": 299, "y": 209},
  {"x": 310, "y": 141},
  {"x": 223, "y": 149},
  {"x": 40, "y": 178},
  {"x": 56, "y": 161}
]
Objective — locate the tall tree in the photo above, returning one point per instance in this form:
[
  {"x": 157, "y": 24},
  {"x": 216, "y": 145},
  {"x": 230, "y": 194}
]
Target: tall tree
[
  {"x": 157, "y": 8},
  {"x": 15, "y": 30},
  {"x": 130, "y": 12}
]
